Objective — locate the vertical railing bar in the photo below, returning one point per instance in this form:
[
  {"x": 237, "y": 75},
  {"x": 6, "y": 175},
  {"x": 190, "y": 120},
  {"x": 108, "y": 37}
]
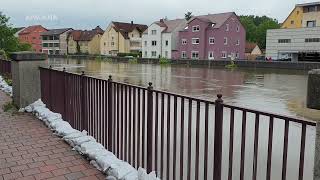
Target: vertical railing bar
[
  {"x": 174, "y": 137},
  {"x": 231, "y": 139},
  {"x": 156, "y": 131},
  {"x": 134, "y": 127},
  {"x": 197, "y": 159},
  {"x": 149, "y": 123},
  {"x": 218, "y": 133},
  {"x": 110, "y": 114},
  {"x": 243, "y": 143},
  {"x": 189, "y": 139},
  {"x": 206, "y": 140},
  {"x": 182, "y": 160},
  {"x": 139, "y": 126},
  {"x": 130, "y": 126},
  {"x": 168, "y": 134},
  {"x": 162, "y": 136},
  {"x": 143, "y": 128},
  {"x": 285, "y": 150},
  {"x": 302, "y": 151},
  {"x": 126, "y": 123},
  {"x": 122, "y": 123},
  {"x": 270, "y": 148},
  {"x": 255, "y": 151}
]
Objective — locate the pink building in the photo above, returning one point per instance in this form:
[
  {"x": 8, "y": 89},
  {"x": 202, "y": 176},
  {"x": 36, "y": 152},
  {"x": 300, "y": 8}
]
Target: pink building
[{"x": 213, "y": 37}]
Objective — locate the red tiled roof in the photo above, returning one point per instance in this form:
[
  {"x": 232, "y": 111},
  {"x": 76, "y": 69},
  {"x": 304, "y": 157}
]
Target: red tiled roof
[
  {"x": 125, "y": 28},
  {"x": 80, "y": 35},
  {"x": 249, "y": 47},
  {"x": 31, "y": 29}
]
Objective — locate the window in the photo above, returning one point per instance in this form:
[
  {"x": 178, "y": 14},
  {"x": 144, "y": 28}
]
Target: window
[
  {"x": 50, "y": 44},
  {"x": 56, "y": 44},
  {"x": 166, "y": 54},
  {"x": 145, "y": 43},
  {"x": 183, "y": 55},
  {"x": 227, "y": 27},
  {"x": 104, "y": 43},
  {"x": 153, "y": 53},
  {"x": 195, "y": 54},
  {"x": 225, "y": 41},
  {"x": 183, "y": 41},
  {"x": 45, "y": 44},
  {"x": 284, "y": 41},
  {"x": 44, "y": 37},
  {"x": 210, "y": 55},
  {"x": 211, "y": 40},
  {"x": 311, "y": 23},
  {"x": 223, "y": 54},
  {"x": 154, "y": 32},
  {"x": 112, "y": 37},
  {"x": 154, "y": 43},
  {"x": 55, "y": 37},
  {"x": 145, "y": 54},
  {"x": 167, "y": 43},
  {"x": 292, "y": 22},
  {"x": 312, "y": 40},
  {"x": 34, "y": 38},
  {"x": 238, "y": 42},
  {"x": 112, "y": 43},
  {"x": 195, "y": 28},
  {"x": 195, "y": 40},
  {"x": 237, "y": 55},
  {"x": 238, "y": 28}
]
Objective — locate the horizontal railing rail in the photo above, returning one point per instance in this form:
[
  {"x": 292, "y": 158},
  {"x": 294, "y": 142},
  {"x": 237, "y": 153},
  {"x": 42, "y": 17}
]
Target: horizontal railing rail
[{"x": 178, "y": 136}]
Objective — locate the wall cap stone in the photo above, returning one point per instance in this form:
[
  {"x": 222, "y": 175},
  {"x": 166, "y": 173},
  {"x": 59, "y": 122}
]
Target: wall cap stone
[
  {"x": 314, "y": 71},
  {"x": 28, "y": 56}
]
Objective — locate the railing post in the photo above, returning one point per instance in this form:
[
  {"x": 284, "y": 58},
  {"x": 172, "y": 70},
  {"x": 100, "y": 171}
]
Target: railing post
[
  {"x": 84, "y": 120},
  {"x": 110, "y": 125},
  {"x": 50, "y": 90},
  {"x": 64, "y": 93},
  {"x": 316, "y": 170},
  {"x": 218, "y": 138},
  {"x": 149, "y": 127}
]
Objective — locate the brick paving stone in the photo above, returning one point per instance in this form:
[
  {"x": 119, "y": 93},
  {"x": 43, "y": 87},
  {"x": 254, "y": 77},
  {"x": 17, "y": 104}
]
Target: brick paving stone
[{"x": 29, "y": 150}]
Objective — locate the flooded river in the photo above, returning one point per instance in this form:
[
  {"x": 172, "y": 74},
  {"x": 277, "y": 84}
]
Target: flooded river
[{"x": 277, "y": 91}]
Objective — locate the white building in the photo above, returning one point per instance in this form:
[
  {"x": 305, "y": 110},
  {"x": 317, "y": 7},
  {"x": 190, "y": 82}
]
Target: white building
[
  {"x": 160, "y": 39},
  {"x": 296, "y": 44}
]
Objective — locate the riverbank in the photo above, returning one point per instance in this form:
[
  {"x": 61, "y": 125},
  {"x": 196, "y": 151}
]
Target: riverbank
[{"x": 206, "y": 63}]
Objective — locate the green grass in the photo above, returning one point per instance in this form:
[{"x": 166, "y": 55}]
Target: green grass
[{"x": 9, "y": 107}]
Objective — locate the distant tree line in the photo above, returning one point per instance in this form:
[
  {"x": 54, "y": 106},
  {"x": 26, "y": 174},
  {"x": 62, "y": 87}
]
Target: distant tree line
[
  {"x": 8, "y": 42},
  {"x": 256, "y": 28}
]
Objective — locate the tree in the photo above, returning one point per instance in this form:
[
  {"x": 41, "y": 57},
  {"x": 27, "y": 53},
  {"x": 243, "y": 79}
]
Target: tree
[
  {"x": 188, "y": 15},
  {"x": 256, "y": 28},
  {"x": 8, "y": 42}
]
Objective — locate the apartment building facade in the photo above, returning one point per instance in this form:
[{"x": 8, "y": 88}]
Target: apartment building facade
[
  {"x": 54, "y": 41},
  {"x": 298, "y": 42},
  {"x": 32, "y": 36},
  {"x": 160, "y": 39},
  {"x": 121, "y": 37},
  {"x": 213, "y": 37}
]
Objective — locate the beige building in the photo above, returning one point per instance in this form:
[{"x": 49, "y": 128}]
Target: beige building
[
  {"x": 252, "y": 51},
  {"x": 122, "y": 37},
  {"x": 85, "y": 42}
]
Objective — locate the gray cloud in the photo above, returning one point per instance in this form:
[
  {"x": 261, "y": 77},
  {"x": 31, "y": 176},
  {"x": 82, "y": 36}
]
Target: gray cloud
[{"x": 90, "y": 13}]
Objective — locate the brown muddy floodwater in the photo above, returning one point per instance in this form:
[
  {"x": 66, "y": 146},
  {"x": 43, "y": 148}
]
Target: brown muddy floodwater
[{"x": 272, "y": 90}]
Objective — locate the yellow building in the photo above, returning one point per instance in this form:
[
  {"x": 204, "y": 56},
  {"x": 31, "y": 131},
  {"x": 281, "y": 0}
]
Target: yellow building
[
  {"x": 85, "y": 42},
  {"x": 122, "y": 37},
  {"x": 303, "y": 15}
]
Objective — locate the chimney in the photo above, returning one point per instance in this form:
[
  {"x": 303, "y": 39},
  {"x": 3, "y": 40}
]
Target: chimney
[{"x": 131, "y": 22}]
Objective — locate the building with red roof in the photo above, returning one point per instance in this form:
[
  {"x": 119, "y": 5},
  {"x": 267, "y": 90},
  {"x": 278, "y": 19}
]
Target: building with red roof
[{"x": 32, "y": 36}]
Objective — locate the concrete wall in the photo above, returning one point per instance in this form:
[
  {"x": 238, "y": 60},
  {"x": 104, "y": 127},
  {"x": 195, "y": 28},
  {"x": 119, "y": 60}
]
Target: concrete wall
[{"x": 297, "y": 37}]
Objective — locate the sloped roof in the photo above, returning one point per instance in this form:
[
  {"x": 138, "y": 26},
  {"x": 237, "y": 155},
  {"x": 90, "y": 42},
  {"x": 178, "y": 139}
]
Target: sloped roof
[
  {"x": 55, "y": 31},
  {"x": 80, "y": 35},
  {"x": 30, "y": 29},
  {"x": 125, "y": 28},
  {"x": 172, "y": 25},
  {"x": 249, "y": 47},
  {"x": 217, "y": 19},
  {"x": 308, "y": 4}
]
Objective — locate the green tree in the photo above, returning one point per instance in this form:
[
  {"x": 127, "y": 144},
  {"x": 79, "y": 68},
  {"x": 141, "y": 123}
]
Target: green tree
[
  {"x": 256, "y": 28},
  {"x": 8, "y": 42},
  {"x": 188, "y": 15}
]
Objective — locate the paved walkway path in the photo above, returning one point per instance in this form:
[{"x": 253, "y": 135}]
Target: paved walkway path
[{"x": 29, "y": 150}]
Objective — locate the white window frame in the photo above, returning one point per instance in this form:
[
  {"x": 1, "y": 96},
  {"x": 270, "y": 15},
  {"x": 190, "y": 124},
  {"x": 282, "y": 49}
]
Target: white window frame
[
  {"x": 238, "y": 42},
  {"x": 237, "y": 55},
  {"x": 225, "y": 41},
  {"x": 183, "y": 41},
  {"x": 153, "y": 44},
  {"x": 224, "y": 55},
  {"x": 183, "y": 55},
  {"x": 211, "y": 38},
  {"x": 154, "y": 32},
  {"x": 166, "y": 54},
  {"x": 227, "y": 27},
  {"x": 196, "y": 28},
  {"x": 238, "y": 28},
  {"x": 145, "y": 43},
  {"x": 192, "y": 54},
  {"x": 195, "y": 39},
  {"x": 152, "y": 52},
  {"x": 210, "y": 53}
]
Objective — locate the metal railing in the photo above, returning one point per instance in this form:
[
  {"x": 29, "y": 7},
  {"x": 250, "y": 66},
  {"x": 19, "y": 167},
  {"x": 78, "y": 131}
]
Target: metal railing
[
  {"x": 178, "y": 136},
  {"x": 5, "y": 67}
]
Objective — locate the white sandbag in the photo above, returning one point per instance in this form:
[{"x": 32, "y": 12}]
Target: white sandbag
[
  {"x": 37, "y": 103},
  {"x": 78, "y": 141},
  {"x": 143, "y": 175},
  {"x": 28, "y": 109},
  {"x": 131, "y": 176},
  {"x": 64, "y": 130},
  {"x": 94, "y": 154},
  {"x": 87, "y": 147},
  {"x": 111, "y": 178},
  {"x": 40, "y": 112},
  {"x": 59, "y": 123},
  {"x": 120, "y": 170},
  {"x": 52, "y": 115},
  {"x": 95, "y": 164},
  {"x": 106, "y": 161}
]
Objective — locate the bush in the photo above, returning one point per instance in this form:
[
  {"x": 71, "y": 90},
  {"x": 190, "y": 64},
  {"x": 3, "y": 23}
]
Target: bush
[
  {"x": 3, "y": 54},
  {"x": 128, "y": 54},
  {"x": 133, "y": 61},
  {"x": 232, "y": 65},
  {"x": 164, "y": 61}
]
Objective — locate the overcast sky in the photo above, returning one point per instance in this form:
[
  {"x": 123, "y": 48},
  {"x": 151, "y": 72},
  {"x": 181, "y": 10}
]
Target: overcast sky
[{"x": 87, "y": 14}]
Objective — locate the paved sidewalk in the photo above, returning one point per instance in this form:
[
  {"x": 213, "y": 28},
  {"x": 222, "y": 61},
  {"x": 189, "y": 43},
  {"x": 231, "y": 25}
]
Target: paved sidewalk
[{"x": 29, "y": 150}]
